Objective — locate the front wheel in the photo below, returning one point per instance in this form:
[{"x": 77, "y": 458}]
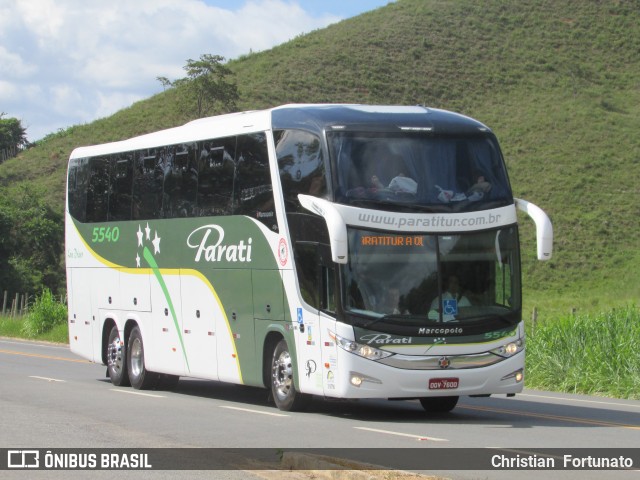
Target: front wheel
[
  {"x": 139, "y": 376},
  {"x": 283, "y": 389},
  {"x": 116, "y": 359},
  {"x": 439, "y": 404}
]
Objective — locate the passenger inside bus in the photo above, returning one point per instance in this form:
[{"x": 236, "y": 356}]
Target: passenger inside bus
[{"x": 478, "y": 189}]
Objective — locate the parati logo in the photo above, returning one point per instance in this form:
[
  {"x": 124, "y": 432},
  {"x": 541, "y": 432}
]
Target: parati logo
[{"x": 208, "y": 241}]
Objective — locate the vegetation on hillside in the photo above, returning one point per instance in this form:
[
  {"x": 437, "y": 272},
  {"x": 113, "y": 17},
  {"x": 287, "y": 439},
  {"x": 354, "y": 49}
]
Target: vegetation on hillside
[
  {"x": 31, "y": 242},
  {"x": 557, "y": 80}
]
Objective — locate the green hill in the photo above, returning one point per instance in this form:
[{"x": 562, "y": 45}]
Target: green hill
[{"x": 557, "y": 80}]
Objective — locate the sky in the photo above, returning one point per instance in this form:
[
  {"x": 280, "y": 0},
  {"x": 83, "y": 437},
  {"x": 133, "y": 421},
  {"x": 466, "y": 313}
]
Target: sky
[{"x": 69, "y": 62}]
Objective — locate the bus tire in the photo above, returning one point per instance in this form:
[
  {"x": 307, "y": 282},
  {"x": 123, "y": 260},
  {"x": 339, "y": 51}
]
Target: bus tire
[
  {"x": 283, "y": 388},
  {"x": 117, "y": 359},
  {"x": 439, "y": 404},
  {"x": 139, "y": 376}
]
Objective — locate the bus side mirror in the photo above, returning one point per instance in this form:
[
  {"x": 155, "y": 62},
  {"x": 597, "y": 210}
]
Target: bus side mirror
[
  {"x": 544, "y": 229},
  {"x": 335, "y": 225}
]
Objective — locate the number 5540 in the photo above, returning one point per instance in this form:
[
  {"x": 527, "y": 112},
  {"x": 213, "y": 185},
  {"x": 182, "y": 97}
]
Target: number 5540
[{"x": 102, "y": 234}]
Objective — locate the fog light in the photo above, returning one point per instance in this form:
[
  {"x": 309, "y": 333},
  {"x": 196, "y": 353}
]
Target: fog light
[
  {"x": 357, "y": 379},
  {"x": 518, "y": 376}
]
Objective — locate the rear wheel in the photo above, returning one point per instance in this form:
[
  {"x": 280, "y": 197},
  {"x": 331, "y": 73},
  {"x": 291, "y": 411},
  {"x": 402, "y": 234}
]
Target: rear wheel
[
  {"x": 139, "y": 376},
  {"x": 116, "y": 359},
  {"x": 283, "y": 389},
  {"x": 439, "y": 404}
]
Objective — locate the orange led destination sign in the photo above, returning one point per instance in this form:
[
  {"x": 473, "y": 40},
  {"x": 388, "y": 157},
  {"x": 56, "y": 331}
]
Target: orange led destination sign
[{"x": 392, "y": 240}]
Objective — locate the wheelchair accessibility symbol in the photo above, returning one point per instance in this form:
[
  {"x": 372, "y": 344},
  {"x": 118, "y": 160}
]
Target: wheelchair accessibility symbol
[{"x": 450, "y": 306}]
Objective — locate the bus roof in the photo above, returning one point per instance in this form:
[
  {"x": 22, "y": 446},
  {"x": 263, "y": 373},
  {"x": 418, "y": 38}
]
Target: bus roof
[{"x": 297, "y": 116}]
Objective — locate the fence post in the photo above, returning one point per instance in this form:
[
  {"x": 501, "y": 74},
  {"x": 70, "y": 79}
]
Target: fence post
[
  {"x": 4, "y": 303},
  {"x": 14, "y": 306},
  {"x": 534, "y": 319}
]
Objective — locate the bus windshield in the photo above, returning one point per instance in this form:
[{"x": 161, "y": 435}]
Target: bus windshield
[
  {"x": 392, "y": 170},
  {"x": 419, "y": 279}
]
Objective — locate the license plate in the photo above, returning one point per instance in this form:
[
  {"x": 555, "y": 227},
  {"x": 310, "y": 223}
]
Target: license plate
[{"x": 443, "y": 383}]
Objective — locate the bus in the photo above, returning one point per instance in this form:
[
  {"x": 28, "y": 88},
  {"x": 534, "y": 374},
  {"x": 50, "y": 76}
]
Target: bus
[{"x": 345, "y": 251}]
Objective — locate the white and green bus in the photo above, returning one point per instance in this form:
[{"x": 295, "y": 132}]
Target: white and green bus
[{"x": 346, "y": 251}]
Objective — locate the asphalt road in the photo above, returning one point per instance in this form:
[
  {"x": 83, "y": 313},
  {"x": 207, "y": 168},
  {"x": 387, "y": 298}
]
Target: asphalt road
[{"x": 50, "y": 398}]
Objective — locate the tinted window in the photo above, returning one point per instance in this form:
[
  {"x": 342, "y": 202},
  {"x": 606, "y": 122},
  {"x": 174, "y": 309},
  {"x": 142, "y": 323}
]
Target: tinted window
[
  {"x": 253, "y": 190},
  {"x": 446, "y": 173},
  {"x": 98, "y": 190},
  {"x": 227, "y": 176},
  {"x": 150, "y": 165},
  {"x": 77, "y": 186},
  {"x": 306, "y": 259},
  {"x": 121, "y": 183},
  {"x": 180, "y": 181},
  {"x": 216, "y": 167},
  {"x": 301, "y": 166}
]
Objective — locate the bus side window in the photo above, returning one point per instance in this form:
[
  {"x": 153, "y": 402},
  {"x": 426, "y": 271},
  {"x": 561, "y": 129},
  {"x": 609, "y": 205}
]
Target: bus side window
[
  {"x": 253, "y": 189},
  {"x": 328, "y": 291},
  {"x": 77, "y": 183},
  {"x": 98, "y": 190},
  {"x": 301, "y": 166},
  {"x": 121, "y": 187},
  {"x": 215, "y": 172},
  {"x": 306, "y": 259},
  {"x": 148, "y": 178}
]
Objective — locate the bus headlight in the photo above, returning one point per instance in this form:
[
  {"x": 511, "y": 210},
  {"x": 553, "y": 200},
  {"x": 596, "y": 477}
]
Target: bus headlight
[
  {"x": 510, "y": 349},
  {"x": 365, "y": 351}
]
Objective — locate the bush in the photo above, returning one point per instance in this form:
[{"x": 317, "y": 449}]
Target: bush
[
  {"x": 595, "y": 354},
  {"x": 45, "y": 313}
]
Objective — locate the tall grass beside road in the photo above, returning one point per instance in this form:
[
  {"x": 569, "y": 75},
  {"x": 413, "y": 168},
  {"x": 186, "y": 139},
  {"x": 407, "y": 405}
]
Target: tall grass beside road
[
  {"x": 593, "y": 354},
  {"x": 46, "y": 320}
]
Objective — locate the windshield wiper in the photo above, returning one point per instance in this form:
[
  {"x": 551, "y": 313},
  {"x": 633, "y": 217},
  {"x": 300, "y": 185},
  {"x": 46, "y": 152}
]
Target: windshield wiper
[
  {"x": 401, "y": 319},
  {"x": 379, "y": 319}
]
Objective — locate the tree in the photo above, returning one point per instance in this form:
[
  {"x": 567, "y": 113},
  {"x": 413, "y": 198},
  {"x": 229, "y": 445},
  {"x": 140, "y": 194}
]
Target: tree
[
  {"x": 206, "y": 85},
  {"x": 13, "y": 136},
  {"x": 31, "y": 242}
]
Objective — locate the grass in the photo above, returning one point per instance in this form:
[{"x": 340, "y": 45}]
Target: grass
[
  {"x": 13, "y": 327},
  {"x": 45, "y": 321},
  {"x": 592, "y": 354}
]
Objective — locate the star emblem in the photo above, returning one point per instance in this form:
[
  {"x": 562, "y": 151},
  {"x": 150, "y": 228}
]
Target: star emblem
[
  {"x": 139, "y": 234},
  {"x": 156, "y": 243},
  {"x": 144, "y": 235}
]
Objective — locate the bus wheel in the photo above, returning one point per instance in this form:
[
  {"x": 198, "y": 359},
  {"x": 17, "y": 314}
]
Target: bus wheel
[
  {"x": 116, "y": 359},
  {"x": 139, "y": 376},
  {"x": 439, "y": 404},
  {"x": 283, "y": 387}
]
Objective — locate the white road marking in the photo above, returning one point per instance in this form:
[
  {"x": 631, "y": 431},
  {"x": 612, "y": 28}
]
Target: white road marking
[
  {"x": 137, "y": 393},
  {"x": 400, "y": 434},
  {"x": 254, "y": 411},
  {"x": 47, "y": 379},
  {"x": 599, "y": 402},
  {"x": 33, "y": 344}
]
